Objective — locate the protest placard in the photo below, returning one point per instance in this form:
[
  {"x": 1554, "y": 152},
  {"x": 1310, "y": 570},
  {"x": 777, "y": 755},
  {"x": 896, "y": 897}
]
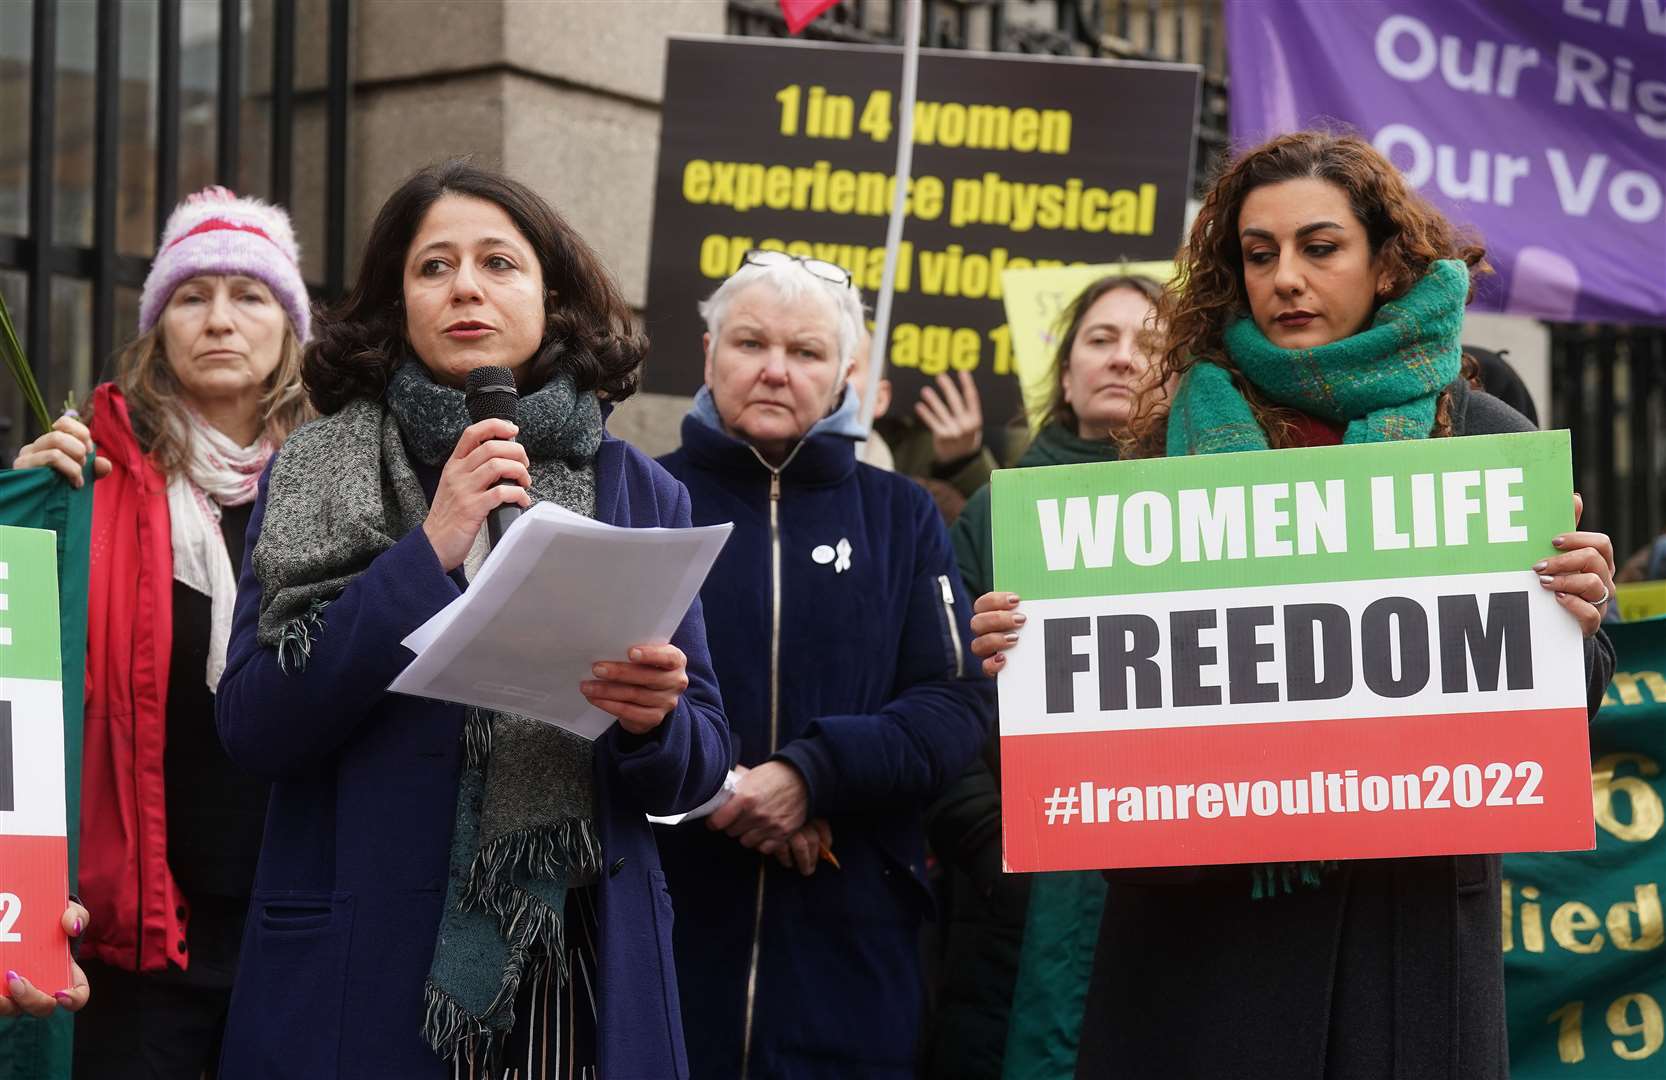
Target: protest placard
[
  {"x": 1288, "y": 655},
  {"x": 34, "y": 846},
  {"x": 1018, "y": 161},
  {"x": 1036, "y": 299},
  {"x": 1640, "y": 600}
]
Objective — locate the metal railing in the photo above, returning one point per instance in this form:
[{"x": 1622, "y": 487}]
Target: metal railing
[
  {"x": 1608, "y": 388},
  {"x": 101, "y": 264}
]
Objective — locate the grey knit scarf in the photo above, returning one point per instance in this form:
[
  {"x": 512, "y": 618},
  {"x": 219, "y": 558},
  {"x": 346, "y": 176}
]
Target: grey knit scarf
[{"x": 342, "y": 492}]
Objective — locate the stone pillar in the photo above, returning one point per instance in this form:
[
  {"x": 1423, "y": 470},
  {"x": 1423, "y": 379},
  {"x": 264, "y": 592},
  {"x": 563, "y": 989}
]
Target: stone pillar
[{"x": 564, "y": 96}]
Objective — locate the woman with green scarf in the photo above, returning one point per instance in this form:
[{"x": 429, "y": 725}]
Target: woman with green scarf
[{"x": 1320, "y": 303}]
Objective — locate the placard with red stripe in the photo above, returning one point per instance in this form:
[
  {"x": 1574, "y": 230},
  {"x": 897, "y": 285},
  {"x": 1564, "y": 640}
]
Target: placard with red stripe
[
  {"x": 1288, "y": 655},
  {"x": 34, "y": 870}
]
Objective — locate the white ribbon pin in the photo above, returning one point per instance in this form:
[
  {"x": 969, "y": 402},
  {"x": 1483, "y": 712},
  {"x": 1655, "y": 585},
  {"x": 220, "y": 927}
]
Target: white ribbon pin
[{"x": 839, "y": 556}]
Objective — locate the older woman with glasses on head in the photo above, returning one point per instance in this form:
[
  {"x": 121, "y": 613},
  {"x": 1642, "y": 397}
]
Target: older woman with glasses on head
[{"x": 842, "y": 649}]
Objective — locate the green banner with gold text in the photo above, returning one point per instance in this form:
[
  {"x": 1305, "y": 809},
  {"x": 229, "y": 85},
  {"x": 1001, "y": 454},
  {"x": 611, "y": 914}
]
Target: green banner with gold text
[{"x": 1584, "y": 944}]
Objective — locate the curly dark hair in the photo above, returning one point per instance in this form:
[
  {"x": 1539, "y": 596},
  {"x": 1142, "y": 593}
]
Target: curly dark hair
[
  {"x": 1070, "y": 322},
  {"x": 589, "y": 329},
  {"x": 1405, "y": 232}
]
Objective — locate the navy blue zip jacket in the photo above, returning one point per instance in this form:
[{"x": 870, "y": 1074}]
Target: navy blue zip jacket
[
  {"x": 877, "y": 701},
  {"x": 352, "y": 873}
]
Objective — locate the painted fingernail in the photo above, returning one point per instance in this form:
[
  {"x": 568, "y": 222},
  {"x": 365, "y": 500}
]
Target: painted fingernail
[
  {"x": 1559, "y": 541},
  {"x": 1546, "y": 579},
  {"x": 77, "y": 927},
  {"x": 63, "y": 996},
  {"x": 1539, "y": 567},
  {"x": 1010, "y": 639},
  {"x": 1019, "y": 618},
  {"x": 599, "y": 670},
  {"x": 1012, "y": 598},
  {"x": 636, "y": 654},
  {"x": 12, "y": 976}
]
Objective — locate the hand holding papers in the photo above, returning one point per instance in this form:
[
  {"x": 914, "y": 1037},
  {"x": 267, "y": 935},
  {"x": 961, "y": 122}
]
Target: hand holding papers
[{"x": 557, "y": 594}]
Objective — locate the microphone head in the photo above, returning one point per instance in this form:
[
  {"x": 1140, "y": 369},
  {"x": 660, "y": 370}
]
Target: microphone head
[{"x": 490, "y": 393}]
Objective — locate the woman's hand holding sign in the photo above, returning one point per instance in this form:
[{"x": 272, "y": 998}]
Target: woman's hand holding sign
[
  {"x": 1582, "y": 576},
  {"x": 28, "y": 1000},
  {"x": 995, "y": 622}
]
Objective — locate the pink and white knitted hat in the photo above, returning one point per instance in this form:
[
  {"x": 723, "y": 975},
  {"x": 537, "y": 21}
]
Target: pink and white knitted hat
[{"x": 215, "y": 232}]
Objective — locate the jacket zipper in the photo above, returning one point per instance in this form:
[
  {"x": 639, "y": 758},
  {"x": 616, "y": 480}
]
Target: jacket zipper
[
  {"x": 774, "y": 728},
  {"x": 954, "y": 628}
]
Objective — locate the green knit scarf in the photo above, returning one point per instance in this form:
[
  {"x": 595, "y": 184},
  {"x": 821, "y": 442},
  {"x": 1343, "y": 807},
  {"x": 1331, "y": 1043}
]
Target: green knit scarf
[{"x": 1383, "y": 382}]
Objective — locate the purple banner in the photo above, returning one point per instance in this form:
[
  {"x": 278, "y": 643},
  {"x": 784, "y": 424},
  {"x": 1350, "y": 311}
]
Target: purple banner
[{"x": 1541, "y": 124}]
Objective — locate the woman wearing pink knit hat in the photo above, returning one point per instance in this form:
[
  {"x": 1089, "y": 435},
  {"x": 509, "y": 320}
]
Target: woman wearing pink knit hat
[{"x": 170, "y": 828}]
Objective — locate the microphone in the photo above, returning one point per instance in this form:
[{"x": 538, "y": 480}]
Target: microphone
[{"x": 491, "y": 395}]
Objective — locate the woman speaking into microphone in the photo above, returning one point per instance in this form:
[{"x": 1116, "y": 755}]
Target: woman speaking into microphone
[{"x": 445, "y": 891}]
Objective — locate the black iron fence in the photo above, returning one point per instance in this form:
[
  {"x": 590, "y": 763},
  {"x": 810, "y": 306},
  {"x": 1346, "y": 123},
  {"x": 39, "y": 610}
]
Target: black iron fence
[
  {"x": 110, "y": 111},
  {"x": 1608, "y": 387}
]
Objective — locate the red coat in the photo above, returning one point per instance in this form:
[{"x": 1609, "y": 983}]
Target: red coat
[{"x": 138, "y": 913}]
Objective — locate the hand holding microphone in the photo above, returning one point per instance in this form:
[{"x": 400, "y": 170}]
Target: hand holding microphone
[{"x": 487, "y": 472}]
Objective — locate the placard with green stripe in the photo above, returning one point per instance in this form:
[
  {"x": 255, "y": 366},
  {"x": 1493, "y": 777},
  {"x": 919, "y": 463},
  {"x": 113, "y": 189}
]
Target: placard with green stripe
[
  {"x": 1326, "y": 653},
  {"x": 34, "y": 848}
]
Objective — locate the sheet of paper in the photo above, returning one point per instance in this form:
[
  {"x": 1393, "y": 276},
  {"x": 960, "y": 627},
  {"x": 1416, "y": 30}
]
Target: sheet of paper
[
  {"x": 705, "y": 809},
  {"x": 557, "y": 594}
]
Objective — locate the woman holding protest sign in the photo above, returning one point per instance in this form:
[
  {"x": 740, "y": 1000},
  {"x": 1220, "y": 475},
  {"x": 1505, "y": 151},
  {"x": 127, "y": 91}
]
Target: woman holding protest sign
[
  {"x": 1107, "y": 341},
  {"x": 170, "y": 828},
  {"x": 1320, "y": 303}
]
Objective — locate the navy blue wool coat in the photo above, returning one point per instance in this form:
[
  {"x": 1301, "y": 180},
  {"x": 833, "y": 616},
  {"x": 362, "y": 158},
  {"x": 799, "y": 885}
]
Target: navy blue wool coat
[
  {"x": 880, "y": 705},
  {"x": 352, "y": 873}
]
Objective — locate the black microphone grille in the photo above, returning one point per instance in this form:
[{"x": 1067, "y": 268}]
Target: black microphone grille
[{"x": 491, "y": 394}]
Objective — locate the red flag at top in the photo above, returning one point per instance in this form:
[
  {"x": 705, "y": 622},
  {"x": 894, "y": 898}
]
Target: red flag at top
[{"x": 801, "y": 13}]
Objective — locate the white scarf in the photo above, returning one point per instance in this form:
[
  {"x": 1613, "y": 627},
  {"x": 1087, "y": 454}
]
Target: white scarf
[{"x": 220, "y": 473}]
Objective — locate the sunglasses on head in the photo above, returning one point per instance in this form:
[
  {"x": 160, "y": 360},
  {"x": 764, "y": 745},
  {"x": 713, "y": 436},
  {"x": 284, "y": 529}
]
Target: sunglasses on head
[{"x": 821, "y": 268}]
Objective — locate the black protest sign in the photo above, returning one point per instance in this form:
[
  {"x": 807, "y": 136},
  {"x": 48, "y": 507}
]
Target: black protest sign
[{"x": 1018, "y": 161}]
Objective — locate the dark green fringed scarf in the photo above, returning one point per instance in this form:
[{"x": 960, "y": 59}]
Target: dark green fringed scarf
[
  {"x": 342, "y": 492},
  {"x": 1383, "y": 382}
]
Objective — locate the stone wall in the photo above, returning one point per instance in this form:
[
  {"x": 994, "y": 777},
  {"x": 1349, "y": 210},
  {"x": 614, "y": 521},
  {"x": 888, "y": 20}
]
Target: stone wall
[{"x": 564, "y": 96}]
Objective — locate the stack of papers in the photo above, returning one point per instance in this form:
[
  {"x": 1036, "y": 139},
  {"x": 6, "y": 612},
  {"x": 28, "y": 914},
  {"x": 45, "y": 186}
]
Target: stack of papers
[{"x": 559, "y": 593}]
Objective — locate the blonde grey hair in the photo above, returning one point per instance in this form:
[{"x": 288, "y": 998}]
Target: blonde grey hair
[{"x": 793, "y": 283}]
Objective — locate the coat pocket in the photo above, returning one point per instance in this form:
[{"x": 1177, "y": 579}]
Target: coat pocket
[
  {"x": 1472, "y": 873},
  {"x": 902, "y": 867},
  {"x": 664, "y": 918},
  {"x": 942, "y": 597},
  {"x": 291, "y": 986}
]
